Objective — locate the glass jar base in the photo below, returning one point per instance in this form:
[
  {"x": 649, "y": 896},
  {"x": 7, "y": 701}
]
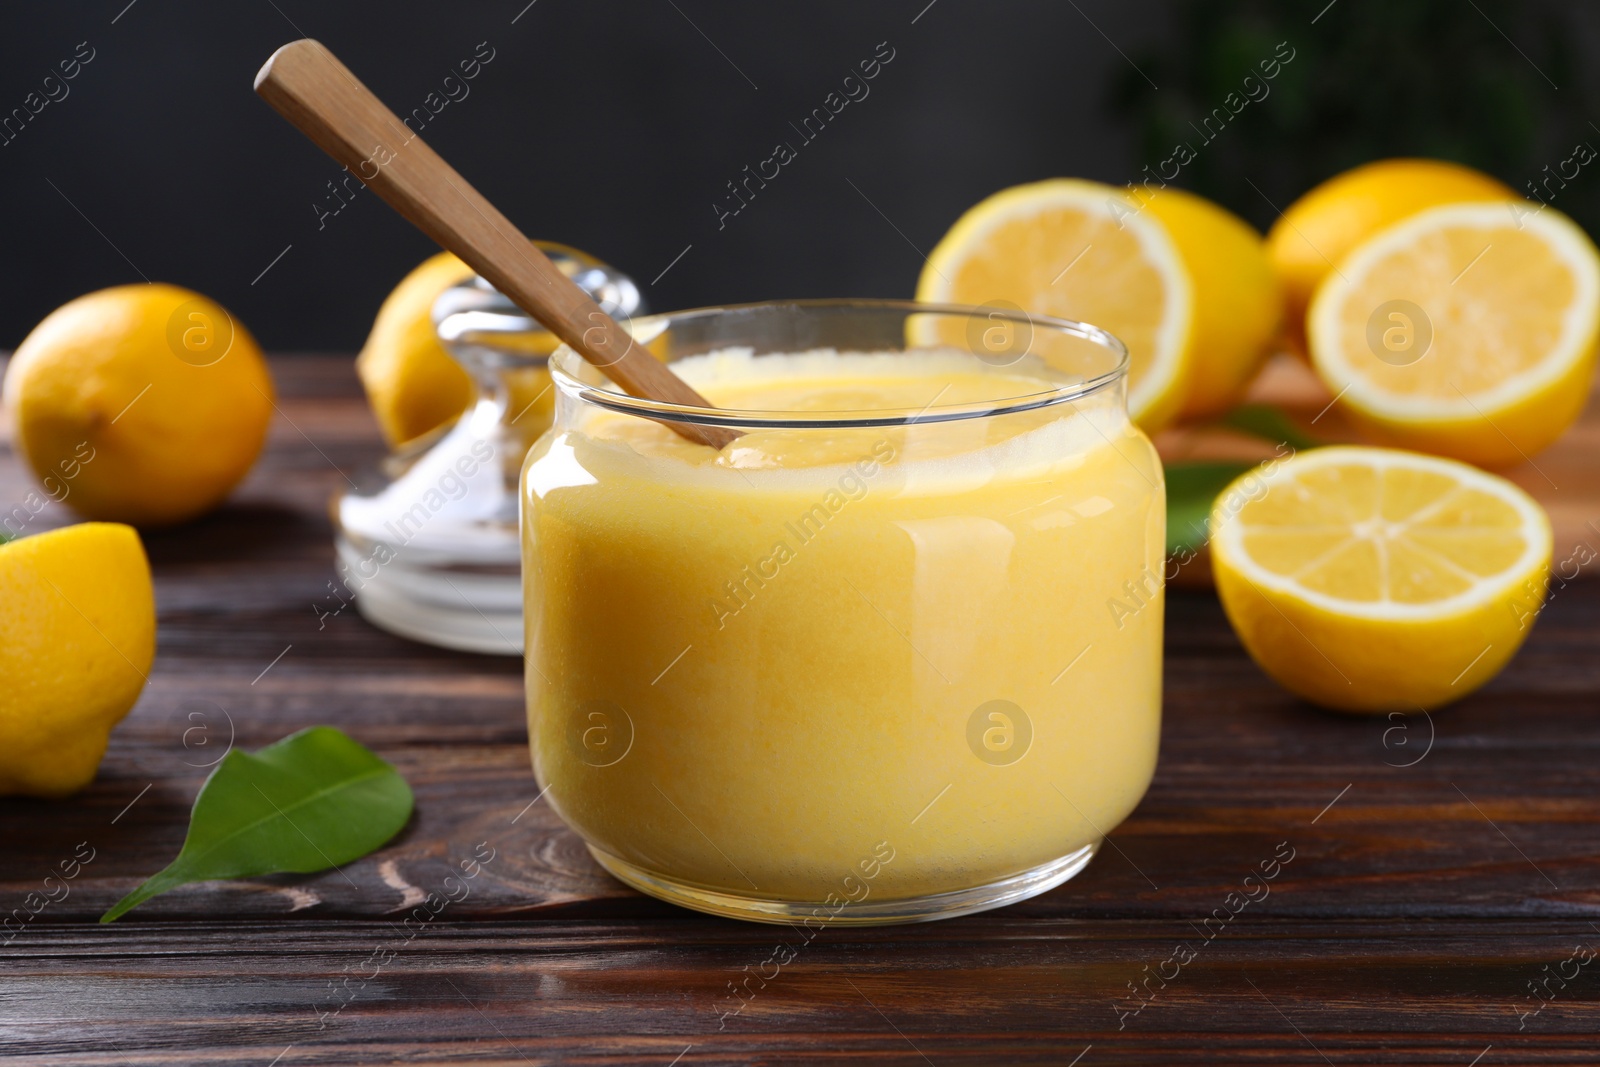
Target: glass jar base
[
  {"x": 442, "y": 606},
  {"x": 867, "y": 912}
]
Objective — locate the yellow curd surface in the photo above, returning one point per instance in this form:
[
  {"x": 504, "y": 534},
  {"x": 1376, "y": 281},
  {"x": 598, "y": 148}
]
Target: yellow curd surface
[{"x": 762, "y": 670}]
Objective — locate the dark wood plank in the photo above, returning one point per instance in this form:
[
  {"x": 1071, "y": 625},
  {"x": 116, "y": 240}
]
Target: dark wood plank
[
  {"x": 999, "y": 989},
  {"x": 1455, "y": 863}
]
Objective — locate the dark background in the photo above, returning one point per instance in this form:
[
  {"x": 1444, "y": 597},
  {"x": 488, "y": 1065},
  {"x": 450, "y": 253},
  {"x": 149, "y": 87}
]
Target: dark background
[{"x": 615, "y": 126}]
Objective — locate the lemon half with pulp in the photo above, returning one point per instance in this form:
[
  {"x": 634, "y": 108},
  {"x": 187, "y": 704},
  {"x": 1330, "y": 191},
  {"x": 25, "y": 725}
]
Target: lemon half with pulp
[
  {"x": 1370, "y": 579},
  {"x": 1183, "y": 283},
  {"x": 1467, "y": 330}
]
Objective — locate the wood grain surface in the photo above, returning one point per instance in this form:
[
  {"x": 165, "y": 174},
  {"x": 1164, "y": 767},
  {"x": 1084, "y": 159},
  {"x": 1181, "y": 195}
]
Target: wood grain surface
[{"x": 1443, "y": 893}]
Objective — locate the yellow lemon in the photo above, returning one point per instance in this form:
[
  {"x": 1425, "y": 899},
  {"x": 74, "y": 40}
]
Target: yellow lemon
[
  {"x": 1467, "y": 330},
  {"x": 1320, "y": 228},
  {"x": 1238, "y": 303},
  {"x": 141, "y": 403},
  {"x": 1184, "y": 284},
  {"x": 1369, "y": 579},
  {"x": 412, "y": 383},
  {"x": 77, "y": 635}
]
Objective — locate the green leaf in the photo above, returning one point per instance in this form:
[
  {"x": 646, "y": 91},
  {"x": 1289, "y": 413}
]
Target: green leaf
[
  {"x": 1266, "y": 421},
  {"x": 1191, "y": 490},
  {"x": 312, "y": 801}
]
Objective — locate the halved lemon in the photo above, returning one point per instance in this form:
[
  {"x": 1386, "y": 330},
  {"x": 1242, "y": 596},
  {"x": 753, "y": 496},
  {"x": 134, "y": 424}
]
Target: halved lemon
[
  {"x": 1185, "y": 284},
  {"x": 1467, "y": 330},
  {"x": 1078, "y": 250},
  {"x": 1324, "y": 224},
  {"x": 1370, "y": 579}
]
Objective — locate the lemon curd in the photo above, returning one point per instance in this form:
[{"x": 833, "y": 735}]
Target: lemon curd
[{"x": 866, "y": 672}]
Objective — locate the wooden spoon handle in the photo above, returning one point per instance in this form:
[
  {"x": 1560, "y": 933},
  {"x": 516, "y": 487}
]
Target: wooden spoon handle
[{"x": 318, "y": 94}]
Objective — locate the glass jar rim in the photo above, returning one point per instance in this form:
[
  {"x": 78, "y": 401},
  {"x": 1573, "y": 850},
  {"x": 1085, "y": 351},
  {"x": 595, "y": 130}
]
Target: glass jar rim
[{"x": 646, "y": 328}]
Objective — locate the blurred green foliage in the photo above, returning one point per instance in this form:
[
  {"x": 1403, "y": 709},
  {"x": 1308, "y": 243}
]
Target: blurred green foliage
[{"x": 1491, "y": 83}]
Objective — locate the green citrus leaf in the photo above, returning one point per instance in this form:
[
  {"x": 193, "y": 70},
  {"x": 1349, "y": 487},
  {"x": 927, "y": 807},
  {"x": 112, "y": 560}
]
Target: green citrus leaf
[
  {"x": 1270, "y": 423},
  {"x": 1191, "y": 490},
  {"x": 312, "y": 801}
]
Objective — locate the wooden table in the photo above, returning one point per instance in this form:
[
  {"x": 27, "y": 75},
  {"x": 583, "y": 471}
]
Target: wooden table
[{"x": 1439, "y": 866}]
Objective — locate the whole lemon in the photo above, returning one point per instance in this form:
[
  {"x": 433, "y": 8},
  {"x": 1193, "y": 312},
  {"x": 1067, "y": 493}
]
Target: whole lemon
[
  {"x": 412, "y": 383},
  {"x": 77, "y": 636},
  {"x": 144, "y": 404},
  {"x": 1318, "y": 229}
]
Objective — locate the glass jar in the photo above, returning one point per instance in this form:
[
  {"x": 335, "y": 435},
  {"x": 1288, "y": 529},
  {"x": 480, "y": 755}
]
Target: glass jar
[{"x": 893, "y": 654}]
